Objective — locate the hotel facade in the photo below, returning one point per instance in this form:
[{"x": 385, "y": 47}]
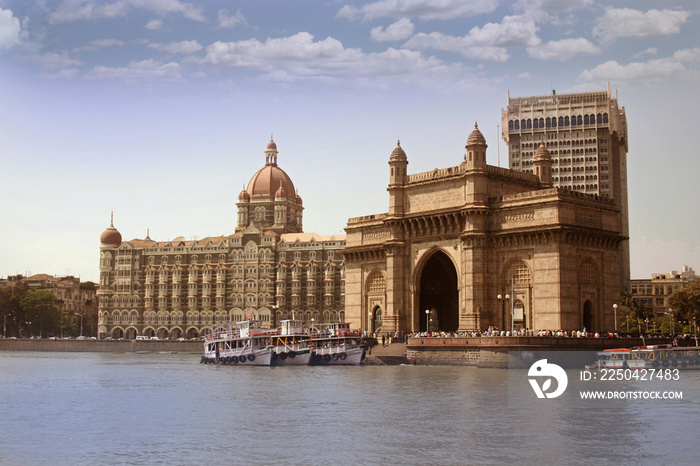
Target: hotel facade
[{"x": 268, "y": 269}]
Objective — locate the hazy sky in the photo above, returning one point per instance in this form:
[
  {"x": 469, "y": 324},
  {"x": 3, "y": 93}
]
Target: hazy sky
[{"x": 161, "y": 109}]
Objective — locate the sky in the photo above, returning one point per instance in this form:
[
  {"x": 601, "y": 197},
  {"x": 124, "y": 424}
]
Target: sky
[{"x": 160, "y": 110}]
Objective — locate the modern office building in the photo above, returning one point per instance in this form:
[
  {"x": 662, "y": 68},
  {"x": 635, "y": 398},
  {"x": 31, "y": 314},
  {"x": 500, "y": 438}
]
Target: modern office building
[{"x": 653, "y": 293}]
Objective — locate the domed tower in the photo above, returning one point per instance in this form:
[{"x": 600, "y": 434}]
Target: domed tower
[
  {"x": 398, "y": 163},
  {"x": 270, "y": 202},
  {"x": 110, "y": 238},
  {"x": 542, "y": 163},
  {"x": 476, "y": 149}
]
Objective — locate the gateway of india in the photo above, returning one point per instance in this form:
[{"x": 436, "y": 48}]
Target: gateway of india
[{"x": 542, "y": 244}]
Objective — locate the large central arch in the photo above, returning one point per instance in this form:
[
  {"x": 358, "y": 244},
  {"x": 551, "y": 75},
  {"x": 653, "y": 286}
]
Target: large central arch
[{"x": 438, "y": 293}]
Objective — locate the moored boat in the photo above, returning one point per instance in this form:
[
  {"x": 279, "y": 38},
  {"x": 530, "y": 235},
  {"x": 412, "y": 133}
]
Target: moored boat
[
  {"x": 338, "y": 345},
  {"x": 664, "y": 356},
  {"x": 290, "y": 344},
  {"x": 615, "y": 358},
  {"x": 245, "y": 343}
]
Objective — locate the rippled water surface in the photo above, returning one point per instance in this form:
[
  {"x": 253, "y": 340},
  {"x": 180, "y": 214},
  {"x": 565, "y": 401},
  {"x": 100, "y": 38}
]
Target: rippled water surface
[{"x": 99, "y": 408}]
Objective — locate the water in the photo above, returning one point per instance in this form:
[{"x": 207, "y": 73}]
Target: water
[{"x": 92, "y": 408}]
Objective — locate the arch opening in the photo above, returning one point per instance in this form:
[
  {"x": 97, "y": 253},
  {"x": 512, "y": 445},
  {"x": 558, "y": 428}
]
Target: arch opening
[{"x": 439, "y": 295}]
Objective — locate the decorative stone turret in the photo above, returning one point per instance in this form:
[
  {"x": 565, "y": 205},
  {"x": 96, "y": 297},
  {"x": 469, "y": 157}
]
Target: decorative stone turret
[
  {"x": 398, "y": 163},
  {"x": 542, "y": 164},
  {"x": 476, "y": 149}
]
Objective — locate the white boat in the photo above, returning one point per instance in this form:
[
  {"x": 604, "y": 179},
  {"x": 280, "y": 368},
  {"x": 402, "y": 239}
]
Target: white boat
[
  {"x": 245, "y": 343},
  {"x": 615, "y": 358},
  {"x": 664, "y": 356},
  {"x": 338, "y": 345},
  {"x": 290, "y": 344}
]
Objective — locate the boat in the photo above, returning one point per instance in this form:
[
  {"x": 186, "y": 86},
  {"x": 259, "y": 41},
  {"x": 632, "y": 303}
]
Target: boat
[
  {"x": 664, "y": 356},
  {"x": 337, "y": 345},
  {"x": 244, "y": 343},
  {"x": 290, "y": 344},
  {"x": 615, "y": 358}
]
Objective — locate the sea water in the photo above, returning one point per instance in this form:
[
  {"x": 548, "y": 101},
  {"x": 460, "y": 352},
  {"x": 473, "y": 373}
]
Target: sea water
[{"x": 103, "y": 408}]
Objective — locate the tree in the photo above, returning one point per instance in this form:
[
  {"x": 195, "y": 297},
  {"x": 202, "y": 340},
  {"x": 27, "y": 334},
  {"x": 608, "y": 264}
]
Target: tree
[
  {"x": 685, "y": 303},
  {"x": 11, "y": 311},
  {"x": 43, "y": 317}
]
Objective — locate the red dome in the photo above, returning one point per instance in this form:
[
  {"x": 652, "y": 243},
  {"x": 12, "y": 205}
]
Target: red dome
[
  {"x": 244, "y": 196},
  {"x": 111, "y": 236},
  {"x": 267, "y": 181},
  {"x": 271, "y": 145}
]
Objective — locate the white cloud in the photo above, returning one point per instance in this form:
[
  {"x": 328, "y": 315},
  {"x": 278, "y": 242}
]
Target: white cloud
[
  {"x": 146, "y": 70},
  {"x": 57, "y": 60},
  {"x": 300, "y": 57},
  {"x": 184, "y": 46},
  {"x": 10, "y": 29},
  {"x": 489, "y": 42},
  {"x": 649, "y": 51},
  {"x": 551, "y": 6},
  {"x": 625, "y": 22},
  {"x": 225, "y": 20},
  {"x": 400, "y": 30},
  {"x": 154, "y": 24},
  {"x": 75, "y": 10},
  {"x": 423, "y": 9},
  {"x": 652, "y": 70},
  {"x": 563, "y": 50}
]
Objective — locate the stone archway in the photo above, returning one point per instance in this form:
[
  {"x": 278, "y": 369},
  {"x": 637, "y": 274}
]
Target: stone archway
[
  {"x": 588, "y": 316},
  {"x": 439, "y": 294}
]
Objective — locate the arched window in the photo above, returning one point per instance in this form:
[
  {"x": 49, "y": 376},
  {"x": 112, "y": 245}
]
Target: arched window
[
  {"x": 561, "y": 121},
  {"x": 548, "y": 122},
  {"x": 586, "y": 121},
  {"x": 536, "y": 123},
  {"x": 523, "y": 124},
  {"x": 529, "y": 124},
  {"x": 541, "y": 122},
  {"x": 605, "y": 117},
  {"x": 517, "y": 124},
  {"x": 566, "y": 121},
  {"x": 510, "y": 125}
]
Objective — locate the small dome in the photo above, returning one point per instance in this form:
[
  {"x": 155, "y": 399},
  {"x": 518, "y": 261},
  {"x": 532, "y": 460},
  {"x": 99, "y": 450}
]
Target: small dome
[
  {"x": 476, "y": 138},
  {"x": 398, "y": 152},
  {"x": 111, "y": 236},
  {"x": 542, "y": 153},
  {"x": 271, "y": 145},
  {"x": 280, "y": 194},
  {"x": 244, "y": 196},
  {"x": 298, "y": 199}
]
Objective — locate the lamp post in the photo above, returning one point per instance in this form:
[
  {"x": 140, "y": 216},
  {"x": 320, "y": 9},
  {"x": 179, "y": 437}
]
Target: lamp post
[
  {"x": 670, "y": 314},
  {"x": 503, "y": 313},
  {"x": 4, "y": 325},
  {"x": 369, "y": 323},
  {"x": 427, "y": 321},
  {"x": 615, "y": 310},
  {"x": 81, "y": 324},
  {"x": 647, "y": 321}
]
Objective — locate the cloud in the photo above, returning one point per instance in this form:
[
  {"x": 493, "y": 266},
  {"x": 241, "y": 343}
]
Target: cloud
[
  {"x": 625, "y": 22},
  {"x": 652, "y": 70},
  {"x": 154, "y": 24},
  {"x": 225, "y": 20},
  {"x": 563, "y": 50},
  {"x": 551, "y": 6},
  {"x": 57, "y": 60},
  {"x": 184, "y": 47},
  {"x": 488, "y": 43},
  {"x": 400, "y": 30},
  {"x": 423, "y": 9},
  {"x": 649, "y": 51},
  {"x": 10, "y": 29},
  {"x": 136, "y": 71},
  {"x": 77, "y": 10},
  {"x": 300, "y": 57}
]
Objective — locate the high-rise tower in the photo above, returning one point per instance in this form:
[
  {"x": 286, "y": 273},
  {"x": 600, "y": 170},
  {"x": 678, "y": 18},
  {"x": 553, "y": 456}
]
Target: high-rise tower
[{"x": 586, "y": 136}]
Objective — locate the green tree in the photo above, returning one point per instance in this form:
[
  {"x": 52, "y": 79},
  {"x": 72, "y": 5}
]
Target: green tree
[
  {"x": 685, "y": 303},
  {"x": 43, "y": 317},
  {"x": 11, "y": 311}
]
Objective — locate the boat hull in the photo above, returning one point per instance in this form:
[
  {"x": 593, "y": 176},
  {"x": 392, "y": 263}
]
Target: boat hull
[
  {"x": 291, "y": 358},
  {"x": 337, "y": 356}
]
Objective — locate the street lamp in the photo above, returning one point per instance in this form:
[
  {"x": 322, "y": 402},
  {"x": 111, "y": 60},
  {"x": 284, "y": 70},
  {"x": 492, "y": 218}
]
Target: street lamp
[
  {"x": 81, "y": 324},
  {"x": 615, "y": 310},
  {"x": 427, "y": 320},
  {"x": 503, "y": 313},
  {"x": 647, "y": 321},
  {"x": 670, "y": 314},
  {"x": 369, "y": 323}
]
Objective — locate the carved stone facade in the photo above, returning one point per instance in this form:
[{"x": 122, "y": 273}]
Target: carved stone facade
[
  {"x": 478, "y": 246},
  {"x": 268, "y": 269}
]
